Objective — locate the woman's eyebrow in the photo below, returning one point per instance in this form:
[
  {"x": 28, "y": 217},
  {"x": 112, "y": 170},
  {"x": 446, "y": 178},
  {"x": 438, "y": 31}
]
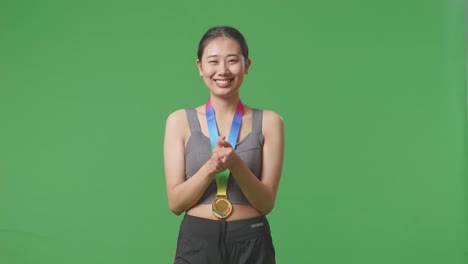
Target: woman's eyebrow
[{"x": 215, "y": 56}]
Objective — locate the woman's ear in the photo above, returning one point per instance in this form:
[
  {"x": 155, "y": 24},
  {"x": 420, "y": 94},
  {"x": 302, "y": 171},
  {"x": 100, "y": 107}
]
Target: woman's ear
[
  {"x": 247, "y": 66},
  {"x": 199, "y": 67}
]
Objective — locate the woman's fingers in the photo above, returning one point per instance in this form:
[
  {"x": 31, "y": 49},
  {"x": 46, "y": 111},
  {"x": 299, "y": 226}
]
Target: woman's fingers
[
  {"x": 222, "y": 142},
  {"x": 217, "y": 161},
  {"x": 222, "y": 154}
]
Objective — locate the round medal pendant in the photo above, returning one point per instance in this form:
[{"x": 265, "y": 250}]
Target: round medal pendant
[{"x": 221, "y": 207}]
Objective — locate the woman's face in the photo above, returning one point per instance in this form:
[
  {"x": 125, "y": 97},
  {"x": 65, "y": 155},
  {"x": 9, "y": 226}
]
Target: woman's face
[{"x": 223, "y": 66}]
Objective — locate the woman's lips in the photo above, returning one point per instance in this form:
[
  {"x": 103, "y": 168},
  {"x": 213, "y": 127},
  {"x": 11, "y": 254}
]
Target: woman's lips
[{"x": 223, "y": 83}]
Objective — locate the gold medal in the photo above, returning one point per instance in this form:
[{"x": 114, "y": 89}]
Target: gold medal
[{"x": 221, "y": 207}]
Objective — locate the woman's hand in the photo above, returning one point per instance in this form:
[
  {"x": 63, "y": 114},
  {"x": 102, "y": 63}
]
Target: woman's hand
[{"x": 222, "y": 156}]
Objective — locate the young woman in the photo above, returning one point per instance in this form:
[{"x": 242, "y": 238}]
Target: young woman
[{"x": 223, "y": 162}]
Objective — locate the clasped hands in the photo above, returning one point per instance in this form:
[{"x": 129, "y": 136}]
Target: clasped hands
[{"x": 222, "y": 156}]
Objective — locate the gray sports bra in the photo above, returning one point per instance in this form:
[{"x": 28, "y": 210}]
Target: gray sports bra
[{"x": 198, "y": 152}]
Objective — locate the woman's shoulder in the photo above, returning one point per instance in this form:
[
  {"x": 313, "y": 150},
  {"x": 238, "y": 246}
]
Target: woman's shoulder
[
  {"x": 177, "y": 121},
  {"x": 270, "y": 116},
  {"x": 176, "y": 116},
  {"x": 271, "y": 121}
]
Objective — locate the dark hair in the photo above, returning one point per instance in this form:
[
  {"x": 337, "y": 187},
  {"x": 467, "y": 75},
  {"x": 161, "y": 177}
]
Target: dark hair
[{"x": 225, "y": 31}]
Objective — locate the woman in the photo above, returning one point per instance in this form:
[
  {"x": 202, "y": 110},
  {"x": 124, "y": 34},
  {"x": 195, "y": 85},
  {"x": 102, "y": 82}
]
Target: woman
[{"x": 226, "y": 189}]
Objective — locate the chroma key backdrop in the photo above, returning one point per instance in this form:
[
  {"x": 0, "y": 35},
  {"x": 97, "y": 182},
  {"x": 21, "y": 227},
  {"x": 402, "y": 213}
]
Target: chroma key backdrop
[{"x": 373, "y": 96}]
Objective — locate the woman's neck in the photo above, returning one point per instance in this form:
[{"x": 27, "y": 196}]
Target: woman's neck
[{"x": 224, "y": 106}]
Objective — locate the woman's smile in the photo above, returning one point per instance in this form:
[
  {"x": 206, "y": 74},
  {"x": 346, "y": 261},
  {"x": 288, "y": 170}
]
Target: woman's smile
[{"x": 223, "y": 83}]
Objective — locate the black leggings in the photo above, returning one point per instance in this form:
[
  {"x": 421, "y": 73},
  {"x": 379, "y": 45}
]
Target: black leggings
[{"x": 205, "y": 241}]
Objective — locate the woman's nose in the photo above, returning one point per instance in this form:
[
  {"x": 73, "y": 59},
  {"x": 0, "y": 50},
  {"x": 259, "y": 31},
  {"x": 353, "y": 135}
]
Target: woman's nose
[{"x": 223, "y": 69}]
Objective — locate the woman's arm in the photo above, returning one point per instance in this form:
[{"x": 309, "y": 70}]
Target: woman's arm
[
  {"x": 261, "y": 193},
  {"x": 183, "y": 194}
]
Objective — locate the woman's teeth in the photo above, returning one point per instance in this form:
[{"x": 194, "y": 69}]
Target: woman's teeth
[{"x": 222, "y": 81}]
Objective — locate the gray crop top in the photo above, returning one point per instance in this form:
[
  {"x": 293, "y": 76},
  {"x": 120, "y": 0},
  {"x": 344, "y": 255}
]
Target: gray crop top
[{"x": 198, "y": 152}]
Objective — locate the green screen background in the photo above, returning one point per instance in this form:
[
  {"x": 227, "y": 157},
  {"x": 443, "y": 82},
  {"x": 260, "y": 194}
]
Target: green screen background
[{"x": 373, "y": 94}]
